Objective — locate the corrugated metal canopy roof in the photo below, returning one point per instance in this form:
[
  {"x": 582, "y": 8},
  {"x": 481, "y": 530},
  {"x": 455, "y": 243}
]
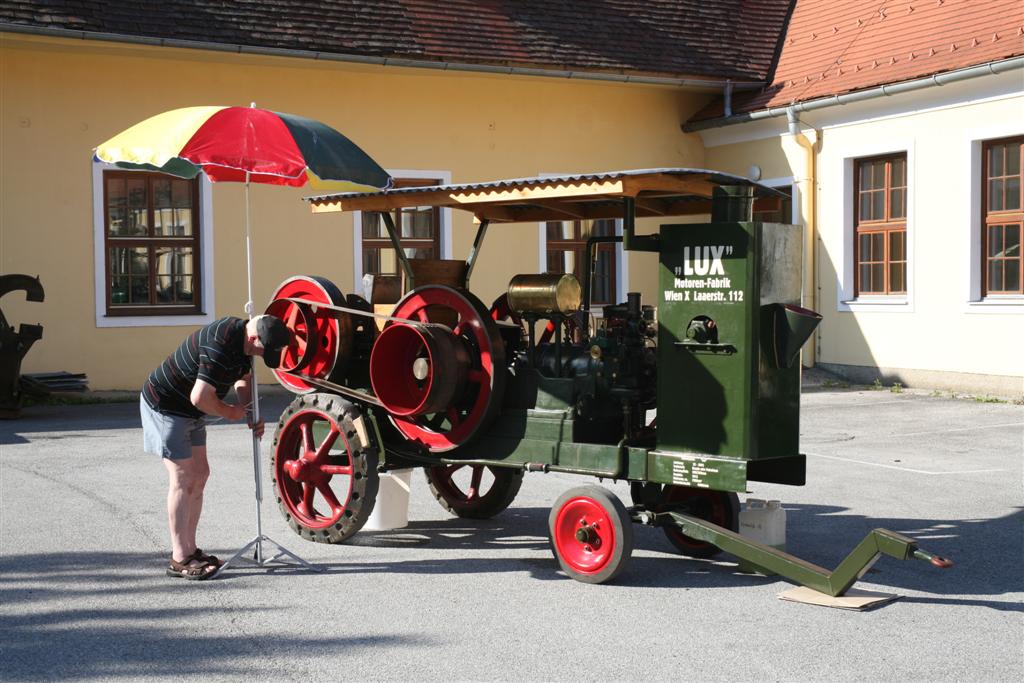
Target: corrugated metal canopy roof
[{"x": 658, "y": 192}]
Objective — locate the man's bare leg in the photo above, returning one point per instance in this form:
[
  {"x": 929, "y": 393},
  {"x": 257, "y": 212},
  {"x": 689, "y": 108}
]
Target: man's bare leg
[
  {"x": 183, "y": 477},
  {"x": 201, "y": 473}
]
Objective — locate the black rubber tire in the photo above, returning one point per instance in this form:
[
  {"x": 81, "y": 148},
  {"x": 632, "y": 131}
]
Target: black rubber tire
[
  {"x": 364, "y": 481},
  {"x": 449, "y": 495},
  {"x": 645, "y": 493},
  {"x": 612, "y": 511},
  {"x": 718, "y": 507}
]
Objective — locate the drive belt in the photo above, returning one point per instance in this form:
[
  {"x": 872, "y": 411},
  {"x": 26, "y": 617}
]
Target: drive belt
[
  {"x": 315, "y": 305},
  {"x": 338, "y": 388}
]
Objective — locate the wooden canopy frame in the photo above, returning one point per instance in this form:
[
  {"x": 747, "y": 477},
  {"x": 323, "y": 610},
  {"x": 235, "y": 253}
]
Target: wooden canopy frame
[
  {"x": 659, "y": 192},
  {"x": 656, "y": 192}
]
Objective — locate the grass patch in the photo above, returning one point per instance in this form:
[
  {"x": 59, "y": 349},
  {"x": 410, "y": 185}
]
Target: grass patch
[
  {"x": 896, "y": 388},
  {"x": 876, "y": 385},
  {"x": 989, "y": 399},
  {"x": 835, "y": 384},
  {"x": 982, "y": 398}
]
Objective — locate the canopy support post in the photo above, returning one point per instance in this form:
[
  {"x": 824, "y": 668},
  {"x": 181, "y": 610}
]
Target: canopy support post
[
  {"x": 591, "y": 266},
  {"x": 630, "y": 240},
  {"x": 475, "y": 251},
  {"x": 389, "y": 224}
]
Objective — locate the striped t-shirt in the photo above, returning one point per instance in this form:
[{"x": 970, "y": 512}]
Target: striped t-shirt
[{"x": 214, "y": 354}]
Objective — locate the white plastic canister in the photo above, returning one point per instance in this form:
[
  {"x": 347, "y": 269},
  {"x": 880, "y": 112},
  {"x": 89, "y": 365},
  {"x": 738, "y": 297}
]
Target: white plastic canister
[
  {"x": 764, "y": 522},
  {"x": 391, "y": 509}
]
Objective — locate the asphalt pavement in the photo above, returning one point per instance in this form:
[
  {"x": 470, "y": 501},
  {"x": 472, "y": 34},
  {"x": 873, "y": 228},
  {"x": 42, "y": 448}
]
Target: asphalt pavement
[{"x": 83, "y": 546}]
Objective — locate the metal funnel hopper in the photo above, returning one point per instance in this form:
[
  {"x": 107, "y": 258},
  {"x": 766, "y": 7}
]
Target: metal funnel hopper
[{"x": 785, "y": 329}]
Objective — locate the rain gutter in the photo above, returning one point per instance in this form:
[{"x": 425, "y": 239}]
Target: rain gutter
[
  {"x": 808, "y": 182},
  {"x": 989, "y": 68},
  {"x": 722, "y": 83}
]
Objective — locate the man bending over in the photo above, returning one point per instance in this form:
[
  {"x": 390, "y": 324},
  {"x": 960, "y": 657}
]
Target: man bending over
[{"x": 189, "y": 385}]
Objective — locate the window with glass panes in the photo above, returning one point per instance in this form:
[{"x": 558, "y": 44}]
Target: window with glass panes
[
  {"x": 419, "y": 229},
  {"x": 1003, "y": 216},
  {"x": 880, "y": 225},
  {"x": 566, "y": 253},
  {"x": 777, "y": 209},
  {"x": 151, "y": 229}
]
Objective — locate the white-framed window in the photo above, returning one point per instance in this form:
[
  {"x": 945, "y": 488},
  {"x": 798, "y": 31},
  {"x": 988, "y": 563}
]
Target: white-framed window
[
  {"x": 1002, "y": 207},
  {"x": 788, "y": 210},
  {"x": 995, "y": 234},
  {"x": 877, "y": 265},
  {"x": 563, "y": 250},
  {"x": 426, "y": 233},
  {"x": 152, "y": 248},
  {"x": 562, "y": 247},
  {"x": 880, "y": 225}
]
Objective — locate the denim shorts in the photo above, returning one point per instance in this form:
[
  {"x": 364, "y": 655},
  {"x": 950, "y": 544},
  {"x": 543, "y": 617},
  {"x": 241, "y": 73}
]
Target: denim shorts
[{"x": 170, "y": 436}]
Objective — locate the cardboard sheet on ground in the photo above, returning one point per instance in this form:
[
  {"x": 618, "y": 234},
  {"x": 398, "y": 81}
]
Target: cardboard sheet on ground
[{"x": 854, "y": 599}]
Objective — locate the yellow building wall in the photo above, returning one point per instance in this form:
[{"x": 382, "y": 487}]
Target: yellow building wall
[
  {"x": 60, "y": 98},
  {"x": 774, "y": 156},
  {"x": 940, "y": 326}
]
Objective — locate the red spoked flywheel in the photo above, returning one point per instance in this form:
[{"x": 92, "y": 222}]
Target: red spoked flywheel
[
  {"x": 406, "y": 367},
  {"x": 321, "y": 339}
]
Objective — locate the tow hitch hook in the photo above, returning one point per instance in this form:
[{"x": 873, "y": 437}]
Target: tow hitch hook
[{"x": 938, "y": 561}]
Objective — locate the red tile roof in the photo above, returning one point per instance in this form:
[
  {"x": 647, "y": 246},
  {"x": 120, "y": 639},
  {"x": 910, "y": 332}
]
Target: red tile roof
[
  {"x": 735, "y": 39},
  {"x": 832, "y": 47}
]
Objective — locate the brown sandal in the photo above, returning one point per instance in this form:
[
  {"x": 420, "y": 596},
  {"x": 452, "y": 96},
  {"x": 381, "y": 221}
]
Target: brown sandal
[
  {"x": 185, "y": 570},
  {"x": 207, "y": 558}
]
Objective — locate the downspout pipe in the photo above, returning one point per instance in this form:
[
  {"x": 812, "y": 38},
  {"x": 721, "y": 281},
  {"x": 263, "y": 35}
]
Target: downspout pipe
[
  {"x": 810, "y": 192},
  {"x": 715, "y": 83},
  {"x": 988, "y": 69}
]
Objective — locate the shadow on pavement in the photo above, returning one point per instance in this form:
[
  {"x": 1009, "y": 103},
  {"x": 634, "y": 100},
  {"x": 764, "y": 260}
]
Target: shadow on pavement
[
  {"x": 50, "y": 640},
  {"x": 83, "y": 615},
  {"x": 984, "y": 552}
]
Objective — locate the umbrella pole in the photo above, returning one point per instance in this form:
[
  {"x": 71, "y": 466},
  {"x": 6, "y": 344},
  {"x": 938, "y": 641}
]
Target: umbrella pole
[{"x": 258, "y": 559}]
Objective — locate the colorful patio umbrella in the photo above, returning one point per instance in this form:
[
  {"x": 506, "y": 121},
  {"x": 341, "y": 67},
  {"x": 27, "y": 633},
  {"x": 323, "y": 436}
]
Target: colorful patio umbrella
[{"x": 246, "y": 144}]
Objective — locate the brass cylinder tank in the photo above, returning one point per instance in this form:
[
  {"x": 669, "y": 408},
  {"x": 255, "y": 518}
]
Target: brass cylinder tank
[{"x": 545, "y": 293}]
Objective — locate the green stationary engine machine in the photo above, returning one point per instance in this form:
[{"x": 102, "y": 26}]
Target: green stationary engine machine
[{"x": 418, "y": 372}]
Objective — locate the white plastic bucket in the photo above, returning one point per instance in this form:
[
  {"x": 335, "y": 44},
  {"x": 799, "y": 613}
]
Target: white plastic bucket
[
  {"x": 391, "y": 509},
  {"x": 764, "y": 522}
]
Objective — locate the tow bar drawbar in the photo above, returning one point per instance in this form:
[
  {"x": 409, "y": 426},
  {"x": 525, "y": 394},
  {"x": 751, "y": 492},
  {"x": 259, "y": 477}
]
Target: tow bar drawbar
[{"x": 834, "y": 583}]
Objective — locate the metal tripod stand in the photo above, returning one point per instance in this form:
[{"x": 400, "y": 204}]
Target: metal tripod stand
[{"x": 259, "y": 558}]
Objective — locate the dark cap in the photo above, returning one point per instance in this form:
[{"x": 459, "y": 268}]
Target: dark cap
[{"x": 274, "y": 336}]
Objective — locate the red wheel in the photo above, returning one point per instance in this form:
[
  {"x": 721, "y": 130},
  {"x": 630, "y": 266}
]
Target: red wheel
[
  {"x": 718, "y": 507},
  {"x": 321, "y": 341},
  {"x": 305, "y": 340},
  {"x": 324, "y": 477},
  {"x": 591, "y": 534},
  {"x": 474, "y": 351},
  {"x": 474, "y": 491},
  {"x": 500, "y": 311}
]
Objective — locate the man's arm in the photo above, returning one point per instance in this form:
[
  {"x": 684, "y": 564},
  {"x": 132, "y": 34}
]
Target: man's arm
[
  {"x": 243, "y": 388},
  {"x": 204, "y": 397}
]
